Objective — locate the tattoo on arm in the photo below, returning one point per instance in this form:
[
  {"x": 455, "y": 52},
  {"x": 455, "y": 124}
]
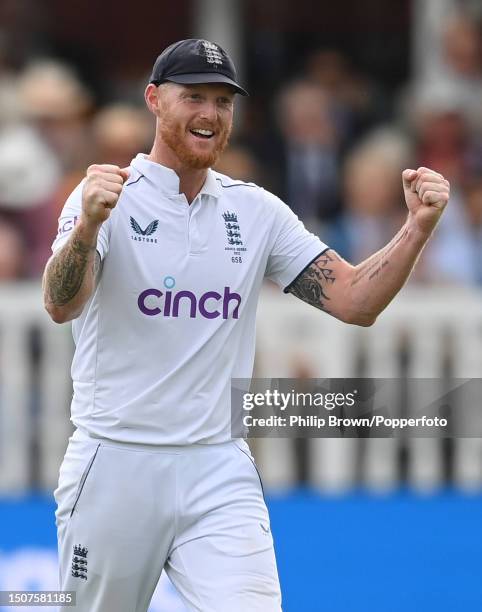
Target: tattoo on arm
[
  {"x": 311, "y": 285},
  {"x": 67, "y": 270},
  {"x": 375, "y": 264}
]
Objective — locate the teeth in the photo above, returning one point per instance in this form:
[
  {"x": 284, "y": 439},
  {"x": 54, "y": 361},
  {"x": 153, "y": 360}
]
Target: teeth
[{"x": 203, "y": 132}]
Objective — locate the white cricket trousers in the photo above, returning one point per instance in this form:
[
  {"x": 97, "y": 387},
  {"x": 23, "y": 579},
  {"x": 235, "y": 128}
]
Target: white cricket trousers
[{"x": 126, "y": 511}]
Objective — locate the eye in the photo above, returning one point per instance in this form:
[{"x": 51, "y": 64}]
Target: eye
[
  {"x": 225, "y": 101},
  {"x": 195, "y": 97}
]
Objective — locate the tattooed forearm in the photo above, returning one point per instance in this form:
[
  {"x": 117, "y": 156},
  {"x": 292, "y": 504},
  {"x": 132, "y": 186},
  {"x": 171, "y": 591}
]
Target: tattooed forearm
[
  {"x": 374, "y": 265},
  {"x": 66, "y": 271},
  {"x": 358, "y": 294},
  {"x": 311, "y": 285}
]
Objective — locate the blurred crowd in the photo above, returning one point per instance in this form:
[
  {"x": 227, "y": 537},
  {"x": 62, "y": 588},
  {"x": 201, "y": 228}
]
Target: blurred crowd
[{"x": 331, "y": 143}]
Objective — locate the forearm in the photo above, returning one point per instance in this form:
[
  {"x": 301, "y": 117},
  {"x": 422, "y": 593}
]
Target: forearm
[
  {"x": 377, "y": 280},
  {"x": 358, "y": 294},
  {"x": 70, "y": 274}
]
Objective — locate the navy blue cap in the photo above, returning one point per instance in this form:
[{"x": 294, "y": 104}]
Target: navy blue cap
[{"x": 194, "y": 61}]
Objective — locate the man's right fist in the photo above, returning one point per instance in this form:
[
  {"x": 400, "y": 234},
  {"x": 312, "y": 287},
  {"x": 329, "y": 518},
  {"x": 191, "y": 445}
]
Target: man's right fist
[{"x": 101, "y": 191}]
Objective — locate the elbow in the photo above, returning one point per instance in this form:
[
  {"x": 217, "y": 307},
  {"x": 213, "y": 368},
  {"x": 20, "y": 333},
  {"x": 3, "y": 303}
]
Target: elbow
[
  {"x": 359, "y": 312},
  {"x": 366, "y": 321},
  {"x": 361, "y": 319},
  {"x": 58, "y": 315}
]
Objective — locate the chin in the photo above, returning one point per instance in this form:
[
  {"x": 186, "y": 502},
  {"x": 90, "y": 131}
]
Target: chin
[
  {"x": 206, "y": 161},
  {"x": 199, "y": 160},
  {"x": 201, "y": 163}
]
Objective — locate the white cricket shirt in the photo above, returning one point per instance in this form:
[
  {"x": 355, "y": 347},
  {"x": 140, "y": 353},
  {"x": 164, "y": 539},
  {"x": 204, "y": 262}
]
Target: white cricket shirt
[{"x": 172, "y": 319}]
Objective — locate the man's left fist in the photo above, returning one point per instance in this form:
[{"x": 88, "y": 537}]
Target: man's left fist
[{"x": 426, "y": 195}]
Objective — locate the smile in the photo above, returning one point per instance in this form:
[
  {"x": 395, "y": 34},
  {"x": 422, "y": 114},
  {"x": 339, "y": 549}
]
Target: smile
[{"x": 203, "y": 134}]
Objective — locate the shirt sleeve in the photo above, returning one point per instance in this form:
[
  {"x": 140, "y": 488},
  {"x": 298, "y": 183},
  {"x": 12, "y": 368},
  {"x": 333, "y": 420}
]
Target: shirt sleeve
[
  {"x": 294, "y": 248},
  {"x": 68, "y": 218}
]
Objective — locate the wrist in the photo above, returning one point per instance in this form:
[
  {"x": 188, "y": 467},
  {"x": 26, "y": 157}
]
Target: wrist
[
  {"x": 415, "y": 232},
  {"x": 87, "y": 231}
]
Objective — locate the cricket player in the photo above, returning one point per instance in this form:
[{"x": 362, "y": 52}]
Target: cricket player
[{"x": 159, "y": 266}]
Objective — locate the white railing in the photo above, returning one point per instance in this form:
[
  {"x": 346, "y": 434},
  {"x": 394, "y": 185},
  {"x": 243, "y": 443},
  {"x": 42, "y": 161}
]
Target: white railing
[
  {"x": 428, "y": 326},
  {"x": 34, "y": 393}
]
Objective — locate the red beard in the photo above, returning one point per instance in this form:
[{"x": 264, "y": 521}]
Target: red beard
[{"x": 175, "y": 138}]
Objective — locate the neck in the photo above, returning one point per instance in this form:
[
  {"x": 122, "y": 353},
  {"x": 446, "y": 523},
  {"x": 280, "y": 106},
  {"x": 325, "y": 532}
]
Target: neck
[{"x": 191, "y": 180}]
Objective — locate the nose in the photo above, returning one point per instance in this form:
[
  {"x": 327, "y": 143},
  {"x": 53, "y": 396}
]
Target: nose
[{"x": 209, "y": 111}]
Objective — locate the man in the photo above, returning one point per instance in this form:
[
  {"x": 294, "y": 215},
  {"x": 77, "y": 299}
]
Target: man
[{"x": 160, "y": 267}]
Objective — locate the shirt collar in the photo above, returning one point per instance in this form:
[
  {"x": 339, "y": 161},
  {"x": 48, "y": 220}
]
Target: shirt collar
[
  {"x": 167, "y": 180},
  {"x": 211, "y": 186}
]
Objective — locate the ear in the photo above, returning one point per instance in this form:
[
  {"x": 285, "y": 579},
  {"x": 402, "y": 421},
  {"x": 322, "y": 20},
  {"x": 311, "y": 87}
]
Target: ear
[{"x": 151, "y": 96}]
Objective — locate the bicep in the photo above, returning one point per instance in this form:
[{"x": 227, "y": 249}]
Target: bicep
[{"x": 323, "y": 284}]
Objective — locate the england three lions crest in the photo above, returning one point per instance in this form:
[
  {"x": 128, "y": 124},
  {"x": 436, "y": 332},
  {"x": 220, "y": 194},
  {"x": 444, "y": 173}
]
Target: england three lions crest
[
  {"x": 233, "y": 230},
  {"x": 233, "y": 236},
  {"x": 79, "y": 562}
]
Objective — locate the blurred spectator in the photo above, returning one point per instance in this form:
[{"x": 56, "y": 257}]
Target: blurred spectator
[
  {"x": 445, "y": 140},
  {"x": 355, "y": 102},
  {"x": 58, "y": 105},
  {"x": 454, "y": 82},
  {"x": 238, "y": 163},
  {"x": 10, "y": 111},
  {"x": 473, "y": 200},
  {"x": 29, "y": 171},
  {"x": 120, "y": 132},
  {"x": 373, "y": 194},
  {"x": 452, "y": 257},
  {"x": 462, "y": 52},
  {"x": 454, "y": 254},
  {"x": 12, "y": 253},
  {"x": 444, "y": 113},
  {"x": 463, "y": 48},
  {"x": 29, "y": 175},
  {"x": 311, "y": 148},
  {"x": 442, "y": 136}
]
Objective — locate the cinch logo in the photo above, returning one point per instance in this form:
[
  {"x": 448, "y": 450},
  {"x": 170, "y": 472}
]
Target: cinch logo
[
  {"x": 209, "y": 305},
  {"x": 66, "y": 225}
]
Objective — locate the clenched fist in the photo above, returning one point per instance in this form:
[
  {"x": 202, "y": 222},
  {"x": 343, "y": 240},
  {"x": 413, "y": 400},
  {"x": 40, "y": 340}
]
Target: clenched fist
[
  {"x": 426, "y": 195},
  {"x": 101, "y": 191}
]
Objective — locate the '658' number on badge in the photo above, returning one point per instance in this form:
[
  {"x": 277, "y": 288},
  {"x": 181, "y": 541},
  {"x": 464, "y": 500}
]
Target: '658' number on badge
[{"x": 236, "y": 259}]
